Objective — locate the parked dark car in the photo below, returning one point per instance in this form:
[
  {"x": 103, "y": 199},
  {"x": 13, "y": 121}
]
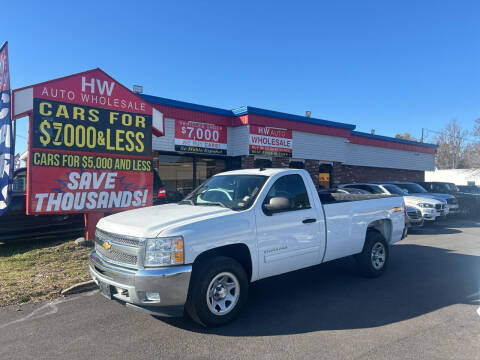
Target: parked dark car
[
  {"x": 469, "y": 189},
  {"x": 469, "y": 203},
  {"x": 15, "y": 224},
  {"x": 160, "y": 193}
]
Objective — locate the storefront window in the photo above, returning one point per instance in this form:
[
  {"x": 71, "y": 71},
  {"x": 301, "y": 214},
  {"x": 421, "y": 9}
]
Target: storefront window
[
  {"x": 206, "y": 168},
  {"x": 180, "y": 174},
  {"x": 176, "y": 172}
]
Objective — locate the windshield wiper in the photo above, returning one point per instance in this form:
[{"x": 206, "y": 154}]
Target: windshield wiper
[
  {"x": 213, "y": 203},
  {"x": 187, "y": 201}
]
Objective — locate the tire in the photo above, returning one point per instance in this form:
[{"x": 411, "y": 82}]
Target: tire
[
  {"x": 375, "y": 256},
  {"x": 218, "y": 291}
]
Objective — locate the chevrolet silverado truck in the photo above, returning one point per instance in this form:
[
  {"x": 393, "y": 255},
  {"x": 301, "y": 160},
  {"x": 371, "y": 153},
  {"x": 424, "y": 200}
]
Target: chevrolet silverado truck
[{"x": 201, "y": 253}]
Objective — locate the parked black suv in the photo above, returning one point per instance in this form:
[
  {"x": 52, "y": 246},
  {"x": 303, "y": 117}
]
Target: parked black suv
[
  {"x": 469, "y": 189},
  {"x": 469, "y": 203}
]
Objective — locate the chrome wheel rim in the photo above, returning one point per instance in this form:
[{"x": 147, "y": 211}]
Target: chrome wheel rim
[
  {"x": 378, "y": 255},
  {"x": 223, "y": 293}
]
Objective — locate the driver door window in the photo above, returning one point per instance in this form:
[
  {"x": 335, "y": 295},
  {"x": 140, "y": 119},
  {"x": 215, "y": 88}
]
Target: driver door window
[{"x": 293, "y": 188}]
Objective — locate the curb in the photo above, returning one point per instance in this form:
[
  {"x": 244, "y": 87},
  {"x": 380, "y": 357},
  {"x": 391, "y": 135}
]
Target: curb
[{"x": 80, "y": 287}]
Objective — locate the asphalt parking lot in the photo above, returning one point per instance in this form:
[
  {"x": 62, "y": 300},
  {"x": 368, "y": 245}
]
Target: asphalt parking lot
[{"x": 426, "y": 306}]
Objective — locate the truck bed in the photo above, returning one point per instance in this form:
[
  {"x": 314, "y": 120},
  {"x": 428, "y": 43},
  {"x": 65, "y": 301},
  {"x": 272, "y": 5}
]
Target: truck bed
[{"x": 333, "y": 198}]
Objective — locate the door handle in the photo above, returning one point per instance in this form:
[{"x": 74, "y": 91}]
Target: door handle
[{"x": 307, "y": 221}]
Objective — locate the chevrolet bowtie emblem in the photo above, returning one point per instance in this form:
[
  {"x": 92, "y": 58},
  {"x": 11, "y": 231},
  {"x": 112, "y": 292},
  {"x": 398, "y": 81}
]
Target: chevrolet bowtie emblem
[{"x": 107, "y": 245}]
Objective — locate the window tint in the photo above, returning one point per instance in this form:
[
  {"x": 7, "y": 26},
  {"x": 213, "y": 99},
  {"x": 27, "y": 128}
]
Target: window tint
[
  {"x": 362, "y": 187},
  {"x": 437, "y": 187},
  {"x": 374, "y": 189},
  {"x": 293, "y": 188},
  {"x": 19, "y": 183},
  {"x": 393, "y": 189}
]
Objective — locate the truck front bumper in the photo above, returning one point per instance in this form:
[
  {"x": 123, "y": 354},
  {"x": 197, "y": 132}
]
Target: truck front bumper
[{"x": 159, "y": 291}]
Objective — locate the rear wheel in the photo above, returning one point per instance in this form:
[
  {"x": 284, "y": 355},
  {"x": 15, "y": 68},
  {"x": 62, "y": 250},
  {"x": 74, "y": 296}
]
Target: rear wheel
[
  {"x": 374, "y": 258},
  {"x": 219, "y": 288}
]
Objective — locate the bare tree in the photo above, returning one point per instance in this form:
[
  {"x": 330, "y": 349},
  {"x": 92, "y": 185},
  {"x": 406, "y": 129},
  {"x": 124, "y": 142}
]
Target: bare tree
[
  {"x": 472, "y": 151},
  {"x": 471, "y": 156},
  {"x": 476, "y": 129},
  {"x": 451, "y": 146}
]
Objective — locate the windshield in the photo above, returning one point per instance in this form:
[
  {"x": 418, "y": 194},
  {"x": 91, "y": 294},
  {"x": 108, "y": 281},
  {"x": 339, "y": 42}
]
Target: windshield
[
  {"x": 412, "y": 188},
  {"x": 451, "y": 187},
  {"x": 237, "y": 192},
  {"x": 394, "y": 189}
]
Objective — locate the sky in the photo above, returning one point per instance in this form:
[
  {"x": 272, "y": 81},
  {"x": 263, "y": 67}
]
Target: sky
[{"x": 392, "y": 66}]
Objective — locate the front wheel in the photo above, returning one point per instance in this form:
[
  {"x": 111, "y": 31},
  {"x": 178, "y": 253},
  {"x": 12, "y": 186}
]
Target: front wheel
[
  {"x": 374, "y": 258},
  {"x": 219, "y": 288}
]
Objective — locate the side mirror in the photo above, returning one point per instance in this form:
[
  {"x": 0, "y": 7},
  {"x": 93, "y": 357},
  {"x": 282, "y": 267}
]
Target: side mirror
[{"x": 277, "y": 204}]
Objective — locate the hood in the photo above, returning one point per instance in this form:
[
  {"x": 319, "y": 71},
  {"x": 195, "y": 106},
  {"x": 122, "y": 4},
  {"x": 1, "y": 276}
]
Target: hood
[
  {"x": 466, "y": 195},
  {"x": 414, "y": 200},
  {"x": 150, "y": 221},
  {"x": 438, "y": 196}
]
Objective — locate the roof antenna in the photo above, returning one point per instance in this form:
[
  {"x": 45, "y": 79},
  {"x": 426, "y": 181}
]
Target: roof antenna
[{"x": 262, "y": 169}]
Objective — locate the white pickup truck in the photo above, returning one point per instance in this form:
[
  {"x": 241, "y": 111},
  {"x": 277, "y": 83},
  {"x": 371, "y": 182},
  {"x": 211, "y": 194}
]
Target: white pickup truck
[{"x": 236, "y": 228}]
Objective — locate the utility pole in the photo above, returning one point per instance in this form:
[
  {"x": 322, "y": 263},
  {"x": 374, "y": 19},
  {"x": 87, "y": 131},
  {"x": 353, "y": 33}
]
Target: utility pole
[{"x": 421, "y": 139}]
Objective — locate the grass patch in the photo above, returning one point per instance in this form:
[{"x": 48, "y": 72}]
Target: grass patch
[
  {"x": 25, "y": 298},
  {"x": 40, "y": 269}
]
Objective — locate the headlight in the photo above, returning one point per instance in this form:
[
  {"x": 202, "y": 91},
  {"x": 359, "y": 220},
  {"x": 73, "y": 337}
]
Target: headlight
[
  {"x": 164, "y": 251},
  {"x": 425, "y": 205}
]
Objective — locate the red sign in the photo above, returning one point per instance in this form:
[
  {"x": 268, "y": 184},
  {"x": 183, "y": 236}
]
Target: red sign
[
  {"x": 271, "y": 141},
  {"x": 61, "y": 190},
  {"x": 90, "y": 146},
  {"x": 92, "y": 88},
  {"x": 198, "y": 137}
]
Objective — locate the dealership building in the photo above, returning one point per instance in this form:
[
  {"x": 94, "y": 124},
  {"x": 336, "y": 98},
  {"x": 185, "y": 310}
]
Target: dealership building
[{"x": 200, "y": 141}]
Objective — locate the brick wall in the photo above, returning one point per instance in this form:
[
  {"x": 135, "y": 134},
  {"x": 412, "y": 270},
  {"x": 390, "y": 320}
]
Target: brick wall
[
  {"x": 347, "y": 173},
  {"x": 155, "y": 159},
  {"x": 313, "y": 166},
  {"x": 280, "y": 162},
  {"x": 248, "y": 162}
]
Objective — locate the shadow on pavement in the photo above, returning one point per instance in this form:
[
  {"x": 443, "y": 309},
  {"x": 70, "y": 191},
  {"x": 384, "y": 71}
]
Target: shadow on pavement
[
  {"x": 459, "y": 222},
  {"x": 332, "y": 296},
  {"x": 434, "y": 229}
]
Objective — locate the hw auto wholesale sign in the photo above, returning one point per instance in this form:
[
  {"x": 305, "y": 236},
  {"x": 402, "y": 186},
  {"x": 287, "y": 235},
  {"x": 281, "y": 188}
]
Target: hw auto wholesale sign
[
  {"x": 271, "y": 141},
  {"x": 201, "y": 138},
  {"x": 90, "y": 146}
]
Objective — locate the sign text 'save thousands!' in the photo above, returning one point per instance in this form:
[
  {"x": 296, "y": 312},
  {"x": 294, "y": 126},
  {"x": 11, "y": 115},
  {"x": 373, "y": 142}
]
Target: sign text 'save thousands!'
[
  {"x": 270, "y": 141},
  {"x": 90, "y": 146}
]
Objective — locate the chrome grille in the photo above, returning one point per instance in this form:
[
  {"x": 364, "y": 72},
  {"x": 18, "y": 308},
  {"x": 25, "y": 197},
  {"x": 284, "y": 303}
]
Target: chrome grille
[
  {"x": 116, "y": 256},
  {"x": 122, "y": 250},
  {"x": 414, "y": 214},
  {"x": 116, "y": 238},
  {"x": 440, "y": 206}
]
